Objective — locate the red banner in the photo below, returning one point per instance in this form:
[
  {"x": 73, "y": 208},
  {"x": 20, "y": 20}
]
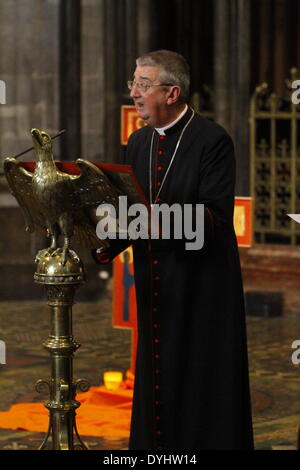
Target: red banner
[
  {"x": 242, "y": 220},
  {"x": 124, "y": 301},
  {"x": 130, "y": 122}
]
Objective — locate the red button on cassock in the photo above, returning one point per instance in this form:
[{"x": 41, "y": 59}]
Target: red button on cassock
[
  {"x": 158, "y": 183},
  {"x": 155, "y": 261},
  {"x": 160, "y": 168},
  {"x": 160, "y": 152}
]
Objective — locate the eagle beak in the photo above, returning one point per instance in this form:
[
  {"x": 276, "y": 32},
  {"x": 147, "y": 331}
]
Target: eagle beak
[{"x": 36, "y": 136}]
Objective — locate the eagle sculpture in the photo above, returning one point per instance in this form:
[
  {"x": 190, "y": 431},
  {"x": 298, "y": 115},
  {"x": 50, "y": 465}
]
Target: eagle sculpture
[{"x": 59, "y": 203}]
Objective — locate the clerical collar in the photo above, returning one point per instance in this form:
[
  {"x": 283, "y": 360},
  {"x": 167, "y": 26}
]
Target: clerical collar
[{"x": 161, "y": 130}]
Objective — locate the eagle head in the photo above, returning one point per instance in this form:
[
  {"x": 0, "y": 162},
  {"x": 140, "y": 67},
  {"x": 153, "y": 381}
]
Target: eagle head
[{"x": 43, "y": 145}]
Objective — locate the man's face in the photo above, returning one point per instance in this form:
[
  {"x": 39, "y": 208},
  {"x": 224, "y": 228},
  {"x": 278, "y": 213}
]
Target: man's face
[{"x": 151, "y": 105}]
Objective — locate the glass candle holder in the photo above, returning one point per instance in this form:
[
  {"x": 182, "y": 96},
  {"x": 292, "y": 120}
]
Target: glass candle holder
[{"x": 112, "y": 379}]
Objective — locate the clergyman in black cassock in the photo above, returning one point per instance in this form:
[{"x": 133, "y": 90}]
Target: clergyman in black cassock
[{"x": 191, "y": 381}]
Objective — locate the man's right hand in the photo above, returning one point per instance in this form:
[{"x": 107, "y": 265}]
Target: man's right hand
[{"x": 101, "y": 255}]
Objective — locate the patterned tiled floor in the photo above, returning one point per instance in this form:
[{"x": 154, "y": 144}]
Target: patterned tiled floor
[{"x": 274, "y": 379}]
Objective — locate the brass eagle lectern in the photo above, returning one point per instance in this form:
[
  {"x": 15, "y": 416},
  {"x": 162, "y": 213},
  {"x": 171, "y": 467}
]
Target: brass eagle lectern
[{"x": 62, "y": 205}]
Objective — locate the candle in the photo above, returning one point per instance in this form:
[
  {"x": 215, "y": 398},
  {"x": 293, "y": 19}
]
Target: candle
[{"x": 112, "y": 379}]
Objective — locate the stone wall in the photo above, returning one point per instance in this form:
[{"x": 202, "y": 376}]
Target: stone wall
[
  {"x": 273, "y": 269},
  {"x": 29, "y": 65}
]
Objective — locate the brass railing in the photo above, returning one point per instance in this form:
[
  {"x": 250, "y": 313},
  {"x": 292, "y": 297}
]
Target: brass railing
[{"x": 275, "y": 164}]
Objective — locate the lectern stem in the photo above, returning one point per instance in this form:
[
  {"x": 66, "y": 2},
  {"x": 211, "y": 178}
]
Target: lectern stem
[{"x": 61, "y": 281}]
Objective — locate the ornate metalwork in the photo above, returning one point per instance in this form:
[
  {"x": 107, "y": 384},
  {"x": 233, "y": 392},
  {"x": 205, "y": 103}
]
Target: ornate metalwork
[
  {"x": 61, "y": 280},
  {"x": 275, "y": 163},
  {"x": 56, "y": 202},
  {"x": 43, "y": 386},
  {"x": 59, "y": 203}
]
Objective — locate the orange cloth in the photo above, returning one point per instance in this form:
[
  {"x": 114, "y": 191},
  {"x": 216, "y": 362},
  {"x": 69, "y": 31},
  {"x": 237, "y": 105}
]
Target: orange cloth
[{"x": 103, "y": 413}]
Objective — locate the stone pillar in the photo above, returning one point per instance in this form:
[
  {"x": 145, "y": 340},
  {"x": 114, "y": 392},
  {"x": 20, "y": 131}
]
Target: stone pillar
[
  {"x": 112, "y": 98},
  {"x": 29, "y": 67},
  {"x": 265, "y": 40},
  {"x": 280, "y": 46},
  {"x": 92, "y": 80},
  {"x": 131, "y": 28},
  {"x": 146, "y": 40},
  {"x": 126, "y": 23},
  {"x": 241, "y": 92},
  {"x": 231, "y": 79},
  {"x": 69, "y": 86},
  {"x": 222, "y": 63},
  {"x": 297, "y": 13}
]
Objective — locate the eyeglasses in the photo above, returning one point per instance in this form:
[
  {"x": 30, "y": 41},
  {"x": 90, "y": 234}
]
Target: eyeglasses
[{"x": 143, "y": 86}]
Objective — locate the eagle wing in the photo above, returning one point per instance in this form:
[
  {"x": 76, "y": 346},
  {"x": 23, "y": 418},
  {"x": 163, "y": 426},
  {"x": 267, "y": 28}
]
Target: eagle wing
[
  {"x": 87, "y": 191},
  {"x": 92, "y": 187},
  {"x": 20, "y": 184}
]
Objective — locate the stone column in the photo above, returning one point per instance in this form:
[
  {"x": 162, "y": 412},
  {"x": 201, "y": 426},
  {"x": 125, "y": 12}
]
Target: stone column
[
  {"x": 231, "y": 79},
  {"x": 297, "y": 13},
  {"x": 29, "y": 67},
  {"x": 146, "y": 40},
  {"x": 127, "y": 31},
  {"x": 69, "y": 67},
  {"x": 265, "y": 40},
  {"x": 280, "y": 46},
  {"x": 112, "y": 57},
  {"x": 222, "y": 63},
  {"x": 92, "y": 80},
  {"x": 241, "y": 91}
]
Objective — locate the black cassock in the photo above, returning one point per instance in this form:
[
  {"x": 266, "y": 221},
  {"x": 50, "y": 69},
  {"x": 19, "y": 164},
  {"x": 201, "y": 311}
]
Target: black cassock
[{"x": 191, "y": 380}]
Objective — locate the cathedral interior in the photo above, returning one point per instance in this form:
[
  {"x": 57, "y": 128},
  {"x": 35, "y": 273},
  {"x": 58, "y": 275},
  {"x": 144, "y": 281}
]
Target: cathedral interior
[{"x": 65, "y": 65}]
